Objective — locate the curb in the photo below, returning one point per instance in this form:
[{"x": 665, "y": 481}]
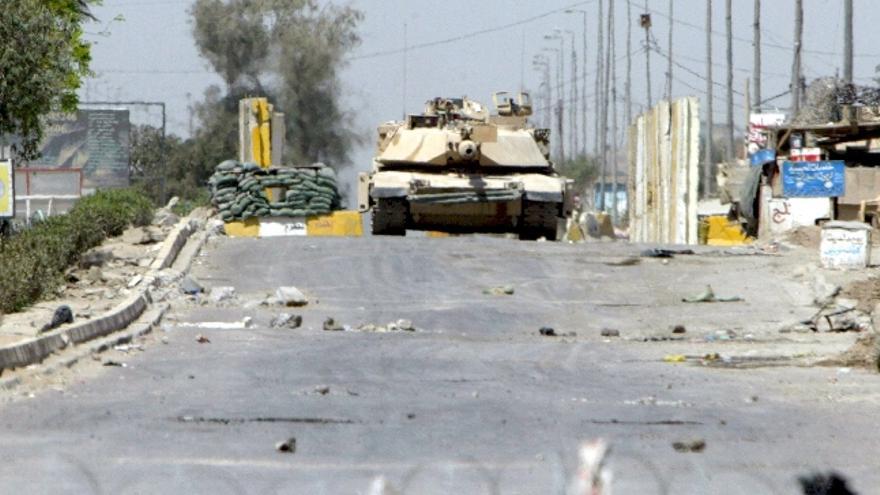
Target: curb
[{"x": 35, "y": 350}]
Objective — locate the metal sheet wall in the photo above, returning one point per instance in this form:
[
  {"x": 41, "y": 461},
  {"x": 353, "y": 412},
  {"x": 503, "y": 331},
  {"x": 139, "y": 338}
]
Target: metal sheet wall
[{"x": 664, "y": 148}]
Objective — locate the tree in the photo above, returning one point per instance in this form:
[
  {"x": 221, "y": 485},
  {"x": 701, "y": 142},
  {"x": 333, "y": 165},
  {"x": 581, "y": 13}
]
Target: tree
[
  {"x": 43, "y": 60},
  {"x": 290, "y": 51}
]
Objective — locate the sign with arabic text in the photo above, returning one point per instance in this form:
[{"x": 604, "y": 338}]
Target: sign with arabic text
[{"x": 823, "y": 179}]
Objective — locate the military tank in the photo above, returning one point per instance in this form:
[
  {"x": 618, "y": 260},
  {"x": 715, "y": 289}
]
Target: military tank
[{"x": 457, "y": 168}]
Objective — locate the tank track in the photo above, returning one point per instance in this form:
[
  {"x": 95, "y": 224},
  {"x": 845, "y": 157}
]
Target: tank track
[
  {"x": 389, "y": 217},
  {"x": 538, "y": 220}
]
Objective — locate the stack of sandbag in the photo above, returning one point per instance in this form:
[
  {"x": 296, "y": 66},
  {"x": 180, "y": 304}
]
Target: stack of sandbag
[{"x": 238, "y": 190}]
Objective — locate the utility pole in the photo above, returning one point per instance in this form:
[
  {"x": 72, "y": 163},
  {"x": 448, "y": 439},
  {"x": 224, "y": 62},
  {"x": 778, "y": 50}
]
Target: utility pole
[
  {"x": 628, "y": 85},
  {"x": 707, "y": 159},
  {"x": 600, "y": 56},
  {"x": 848, "y": 41},
  {"x": 728, "y": 21},
  {"x": 669, "y": 52},
  {"x": 646, "y": 23},
  {"x": 796, "y": 64},
  {"x": 756, "y": 44},
  {"x": 405, "y": 48},
  {"x": 613, "y": 85}
]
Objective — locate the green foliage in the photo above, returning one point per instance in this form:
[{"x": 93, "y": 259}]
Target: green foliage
[
  {"x": 32, "y": 262},
  {"x": 43, "y": 59},
  {"x": 290, "y": 51},
  {"x": 583, "y": 169}
]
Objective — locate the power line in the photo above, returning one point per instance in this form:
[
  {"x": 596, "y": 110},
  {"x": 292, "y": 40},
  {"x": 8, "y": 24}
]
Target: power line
[{"x": 472, "y": 34}]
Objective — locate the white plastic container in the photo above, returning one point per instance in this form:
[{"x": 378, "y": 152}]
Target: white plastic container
[{"x": 845, "y": 245}]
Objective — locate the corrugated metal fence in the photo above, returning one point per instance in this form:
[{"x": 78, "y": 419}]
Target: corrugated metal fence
[{"x": 664, "y": 148}]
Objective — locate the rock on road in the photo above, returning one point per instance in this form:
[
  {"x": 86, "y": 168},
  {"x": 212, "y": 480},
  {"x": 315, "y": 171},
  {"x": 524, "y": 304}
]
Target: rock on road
[{"x": 474, "y": 400}]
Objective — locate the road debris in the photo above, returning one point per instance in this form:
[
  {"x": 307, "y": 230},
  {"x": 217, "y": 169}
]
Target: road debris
[
  {"x": 394, "y": 326},
  {"x": 824, "y": 484},
  {"x": 610, "y": 332},
  {"x": 708, "y": 296},
  {"x": 502, "y": 290},
  {"x": 330, "y": 325},
  {"x": 631, "y": 261},
  {"x": 286, "y": 320},
  {"x": 690, "y": 446},
  {"x": 290, "y": 296},
  {"x": 191, "y": 286},
  {"x": 322, "y": 389},
  {"x": 679, "y": 329},
  {"x": 245, "y": 322},
  {"x": 381, "y": 486},
  {"x": 110, "y": 362},
  {"x": 287, "y": 446},
  {"x": 222, "y": 293},
  {"x": 547, "y": 332},
  {"x": 201, "y": 339},
  {"x": 674, "y": 358},
  {"x": 665, "y": 253},
  {"x": 63, "y": 314}
]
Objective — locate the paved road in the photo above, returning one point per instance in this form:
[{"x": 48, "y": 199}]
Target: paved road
[{"x": 475, "y": 401}]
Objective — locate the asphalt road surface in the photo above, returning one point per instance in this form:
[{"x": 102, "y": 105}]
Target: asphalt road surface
[{"x": 475, "y": 401}]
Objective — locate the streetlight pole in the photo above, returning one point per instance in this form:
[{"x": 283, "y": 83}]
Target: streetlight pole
[
  {"x": 583, "y": 83},
  {"x": 572, "y": 109},
  {"x": 560, "y": 94}
]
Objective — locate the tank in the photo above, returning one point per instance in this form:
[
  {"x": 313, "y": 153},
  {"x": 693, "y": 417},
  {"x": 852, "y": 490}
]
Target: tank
[{"x": 459, "y": 168}]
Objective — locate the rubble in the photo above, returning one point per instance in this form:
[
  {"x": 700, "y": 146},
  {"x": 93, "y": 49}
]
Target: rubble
[
  {"x": 290, "y": 296},
  {"x": 63, "y": 314},
  {"x": 547, "y": 332},
  {"x": 286, "y": 320},
  {"x": 330, "y": 325},
  {"x": 692, "y": 446},
  {"x": 287, "y": 446},
  {"x": 98, "y": 256},
  {"x": 708, "y": 296},
  {"x": 222, "y": 293},
  {"x": 189, "y": 285},
  {"x": 502, "y": 290},
  {"x": 201, "y": 339}
]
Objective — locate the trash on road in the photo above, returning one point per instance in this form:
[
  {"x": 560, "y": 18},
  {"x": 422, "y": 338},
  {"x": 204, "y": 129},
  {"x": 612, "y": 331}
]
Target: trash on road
[
  {"x": 824, "y": 484},
  {"x": 291, "y": 296},
  {"x": 287, "y": 446},
  {"x": 665, "y": 253},
  {"x": 610, "y": 332},
  {"x": 201, "y": 339},
  {"x": 690, "y": 446},
  {"x": 708, "y": 296},
  {"x": 245, "y": 322},
  {"x": 679, "y": 329},
  {"x": 502, "y": 290},
  {"x": 547, "y": 332},
  {"x": 110, "y": 362},
  {"x": 674, "y": 358},
  {"x": 222, "y": 293},
  {"x": 286, "y": 320},
  {"x": 322, "y": 389},
  {"x": 63, "y": 314}
]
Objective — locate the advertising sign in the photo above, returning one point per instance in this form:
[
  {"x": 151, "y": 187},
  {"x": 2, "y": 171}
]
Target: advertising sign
[
  {"x": 7, "y": 190},
  {"x": 97, "y": 141},
  {"x": 823, "y": 179}
]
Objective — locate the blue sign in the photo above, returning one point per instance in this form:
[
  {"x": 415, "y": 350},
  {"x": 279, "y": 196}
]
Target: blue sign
[
  {"x": 762, "y": 157},
  {"x": 813, "y": 179}
]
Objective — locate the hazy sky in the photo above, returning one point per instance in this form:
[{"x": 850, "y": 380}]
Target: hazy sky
[{"x": 151, "y": 56}]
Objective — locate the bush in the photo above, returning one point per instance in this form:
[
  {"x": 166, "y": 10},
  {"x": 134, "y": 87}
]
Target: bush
[{"x": 32, "y": 262}]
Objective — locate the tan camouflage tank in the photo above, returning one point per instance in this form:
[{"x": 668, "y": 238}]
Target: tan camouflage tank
[{"x": 456, "y": 168}]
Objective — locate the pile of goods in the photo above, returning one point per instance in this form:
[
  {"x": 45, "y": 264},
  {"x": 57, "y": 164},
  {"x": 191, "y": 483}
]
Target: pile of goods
[{"x": 239, "y": 191}]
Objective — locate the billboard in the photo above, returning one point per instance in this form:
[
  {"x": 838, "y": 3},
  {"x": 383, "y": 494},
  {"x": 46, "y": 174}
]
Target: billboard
[
  {"x": 824, "y": 179},
  {"x": 96, "y": 141},
  {"x": 7, "y": 193}
]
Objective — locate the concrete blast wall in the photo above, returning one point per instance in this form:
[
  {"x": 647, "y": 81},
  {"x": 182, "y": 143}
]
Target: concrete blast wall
[{"x": 663, "y": 154}]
